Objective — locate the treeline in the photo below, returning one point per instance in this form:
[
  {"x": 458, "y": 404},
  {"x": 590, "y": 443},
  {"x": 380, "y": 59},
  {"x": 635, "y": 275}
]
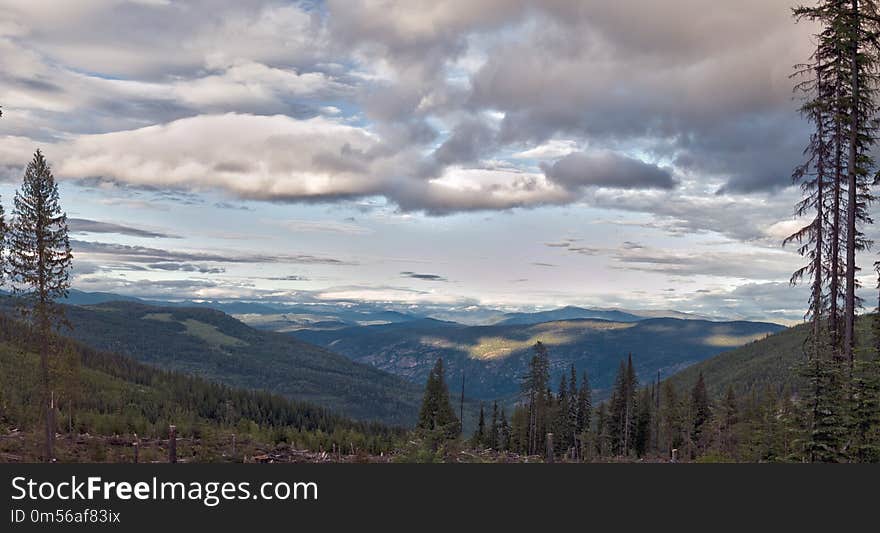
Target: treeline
[{"x": 660, "y": 422}]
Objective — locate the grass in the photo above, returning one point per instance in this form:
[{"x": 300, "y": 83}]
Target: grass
[
  {"x": 206, "y": 332},
  {"x": 211, "y": 334}
]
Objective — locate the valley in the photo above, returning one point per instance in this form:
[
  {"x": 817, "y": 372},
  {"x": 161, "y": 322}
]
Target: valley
[{"x": 494, "y": 358}]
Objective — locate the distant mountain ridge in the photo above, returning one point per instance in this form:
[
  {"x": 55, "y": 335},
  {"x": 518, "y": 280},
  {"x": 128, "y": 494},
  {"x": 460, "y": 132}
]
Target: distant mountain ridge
[
  {"x": 566, "y": 313},
  {"x": 573, "y": 312},
  {"x": 277, "y": 316},
  {"x": 494, "y": 358}
]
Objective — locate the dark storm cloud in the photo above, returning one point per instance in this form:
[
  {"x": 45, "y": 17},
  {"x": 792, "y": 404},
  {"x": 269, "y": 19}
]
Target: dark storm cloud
[{"x": 607, "y": 169}]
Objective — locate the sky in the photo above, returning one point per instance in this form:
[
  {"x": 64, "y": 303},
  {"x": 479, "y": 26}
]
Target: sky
[{"x": 508, "y": 153}]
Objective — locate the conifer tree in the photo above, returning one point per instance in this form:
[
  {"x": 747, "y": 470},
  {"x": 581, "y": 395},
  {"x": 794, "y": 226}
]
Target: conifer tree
[
  {"x": 866, "y": 411},
  {"x": 562, "y": 430},
  {"x": 584, "y": 405},
  {"x": 492, "y": 437},
  {"x": 536, "y": 390},
  {"x": 572, "y": 421},
  {"x": 504, "y": 432},
  {"x": 642, "y": 426},
  {"x": 813, "y": 176},
  {"x": 39, "y": 262},
  {"x": 701, "y": 411},
  {"x": 860, "y": 36},
  {"x": 670, "y": 419},
  {"x": 603, "y": 434},
  {"x": 728, "y": 418},
  {"x": 518, "y": 438},
  {"x": 436, "y": 412},
  {"x": 479, "y": 438},
  {"x": 623, "y": 407}
]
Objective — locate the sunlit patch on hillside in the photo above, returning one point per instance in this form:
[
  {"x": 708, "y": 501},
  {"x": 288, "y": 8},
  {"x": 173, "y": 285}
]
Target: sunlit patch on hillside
[
  {"x": 733, "y": 341},
  {"x": 206, "y": 332},
  {"x": 500, "y": 347}
]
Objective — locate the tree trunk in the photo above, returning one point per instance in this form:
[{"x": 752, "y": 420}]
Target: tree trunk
[
  {"x": 817, "y": 260},
  {"x": 47, "y": 396},
  {"x": 834, "y": 244},
  {"x": 852, "y": 171}
]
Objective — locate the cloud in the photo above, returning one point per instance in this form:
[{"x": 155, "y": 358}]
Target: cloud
[
  {"x": 82, "y": 225},
  {"x": 762, "y": 265},
  {"x": 367, "y": 89},
  {"x": 185, "y": 267},
  {"x": 470, "y": 140},
  {"x": 143, "y": 254},
  {"x": 253, "y": 157},
  {"x": 552, "y": 149},
  {"x": 423, "y": 277},
  {"x": 607, "y": 169},
  {"x": 323, "y": 226},
  {"x": 292, "y": 277},
  {"x": 775, "y": 301}
]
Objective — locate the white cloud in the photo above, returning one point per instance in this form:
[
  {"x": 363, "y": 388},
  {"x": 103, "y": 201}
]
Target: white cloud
[
  {"x": 260, "y": 157},
  {"x": 552, "y": 149}
]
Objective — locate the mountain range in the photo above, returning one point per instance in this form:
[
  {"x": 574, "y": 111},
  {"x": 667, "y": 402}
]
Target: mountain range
[
  {"x": 370, "y": 363},
  {"x": 494, "y": 358}
]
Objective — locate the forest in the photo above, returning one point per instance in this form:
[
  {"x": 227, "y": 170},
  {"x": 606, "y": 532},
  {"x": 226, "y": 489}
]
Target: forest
[{"x": 663, "y": 422}]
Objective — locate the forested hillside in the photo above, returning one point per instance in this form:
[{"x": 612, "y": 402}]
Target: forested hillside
[
  {"x": 215, "y": 346},
  {"x": 105, "y": 399},
  {"x": 771, "y": 362}
]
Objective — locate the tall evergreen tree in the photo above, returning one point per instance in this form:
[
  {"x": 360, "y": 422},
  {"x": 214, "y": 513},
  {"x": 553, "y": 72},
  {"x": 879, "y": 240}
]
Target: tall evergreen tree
[
  {"x": 492, "y": 437},
  {"x": 504, "y": 432},
  {"x": 642, "y": 426},
  {"x": 670, "y": 419},
  {"x": 536, "y": 391},
  {"x": 860, "y": 37},
  {"x": 479, "y": 438},
  {"x": 701, "y": 411},
  {"x": 561, "y": 428},
  {"x": 584, "y": 405},
  {"x": 813, "y": 176},
  {"x": 436, "y": 412},
  {"x": 574, "y": 430},
  {"x": 728, "y": 417},
  {"x": 603, "y": 431},
  {"x": 39, "y": 265},
  {"x": 623, "y": 407}
]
